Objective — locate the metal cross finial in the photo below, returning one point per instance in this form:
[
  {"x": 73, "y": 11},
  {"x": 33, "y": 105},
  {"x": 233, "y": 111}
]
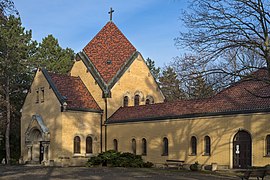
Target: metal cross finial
[{"x": 110, "y": 12}]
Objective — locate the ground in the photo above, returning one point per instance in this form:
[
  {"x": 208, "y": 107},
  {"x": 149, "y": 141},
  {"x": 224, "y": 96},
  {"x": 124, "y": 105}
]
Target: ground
[{"x": 101, "y": 173}]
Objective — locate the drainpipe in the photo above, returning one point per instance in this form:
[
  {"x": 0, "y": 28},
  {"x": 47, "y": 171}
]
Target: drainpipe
[
  {"x": 106, "y": 117},
  {"x": 101, "y": 132}
]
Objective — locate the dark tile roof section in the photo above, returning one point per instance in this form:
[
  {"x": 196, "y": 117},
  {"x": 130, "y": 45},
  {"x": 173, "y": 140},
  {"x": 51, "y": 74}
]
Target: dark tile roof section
[
  {"x": 109, "y": 50},
  {"x": 244, "y": 96},
  {"x": 74, "y": 92}
]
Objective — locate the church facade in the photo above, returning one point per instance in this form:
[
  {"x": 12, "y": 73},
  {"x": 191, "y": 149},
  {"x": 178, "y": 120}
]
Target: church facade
[{"x": 110, "y": 100}]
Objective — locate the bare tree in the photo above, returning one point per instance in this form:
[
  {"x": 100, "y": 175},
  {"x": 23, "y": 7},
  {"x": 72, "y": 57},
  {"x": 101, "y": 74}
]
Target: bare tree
[
  {"x": 7, "y": 8},
  {"x": 234, "y": 30}
]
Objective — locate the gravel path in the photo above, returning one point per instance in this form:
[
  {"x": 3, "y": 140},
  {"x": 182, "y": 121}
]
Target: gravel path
[{"x": 53, "y": 173}]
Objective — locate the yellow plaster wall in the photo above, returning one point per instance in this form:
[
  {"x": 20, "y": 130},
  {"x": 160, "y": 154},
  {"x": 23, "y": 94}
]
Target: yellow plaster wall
[
  {"x": 220, "y": 129},
  {"x": 136, "y": 79},
  {"x": 82, "y": 124},
  {"x": 79, "y": 69},
  {"x": 49, "y": 110}
]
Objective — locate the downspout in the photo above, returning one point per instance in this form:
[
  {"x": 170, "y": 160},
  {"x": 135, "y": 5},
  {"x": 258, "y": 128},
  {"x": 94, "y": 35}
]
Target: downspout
[
  {"x": 106, "y": 117},
  {"x": 101, "y": 137}
]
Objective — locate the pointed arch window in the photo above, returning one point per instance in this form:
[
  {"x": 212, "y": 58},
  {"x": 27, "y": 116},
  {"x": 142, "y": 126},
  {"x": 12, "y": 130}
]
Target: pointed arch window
[
  {"x": 125, "y": 102},
  {"x": 144, "y": 147},
  {"x": 133, "y": 146},
  {"x": 165, "y": 147},
  {"x": 147, "y": 101},
  {"x": 267, "y": 145},
  {"x": 115, "y": 145},
  {"x": 89, "y": 145},
  {"x": 207, "y": 146},
  {"x": 193, "y": 145},
  {"x": 136, "y": 100},
  {"x": 77, "y": 145}
]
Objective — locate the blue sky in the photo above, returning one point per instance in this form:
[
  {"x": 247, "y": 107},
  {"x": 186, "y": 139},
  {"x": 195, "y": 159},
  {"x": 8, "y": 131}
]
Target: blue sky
[{"x": 150, "y": 25}]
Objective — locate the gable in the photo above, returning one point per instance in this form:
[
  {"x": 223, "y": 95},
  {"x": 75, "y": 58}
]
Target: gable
[
  {"x": 108, "y": 51},
  {"x": 37, "y": 123}
]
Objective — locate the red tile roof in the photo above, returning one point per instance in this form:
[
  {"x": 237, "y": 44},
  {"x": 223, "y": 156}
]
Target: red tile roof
[
  {"x": 246, "y": 95},
  {"x": 76, "y": 94},
  {"x": 109, "y": 44}
]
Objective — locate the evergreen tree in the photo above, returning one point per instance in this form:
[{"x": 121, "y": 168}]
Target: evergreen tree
[
  {"x": 16, "y": 47},
  {"x": 53, "y": 57},
  {"x": 200, "y": 88},
  {"x": 153, "y": 69},
  {"x": 170, "y": 85}
]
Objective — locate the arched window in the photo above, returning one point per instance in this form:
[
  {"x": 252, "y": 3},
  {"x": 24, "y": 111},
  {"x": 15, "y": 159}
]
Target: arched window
[
  {"x": 115, "y": 145},
  {"x": 144, "y": 147},
  {"x": 165, "y": 147},
  {"x": 89, "y": 145},
  {"x": 149, "y": 100},
  {"x": 267, "y": 145},
  {"x": 136, "y": 100},
  {"x": 125, "y": 103},
  {"x": 207, "y": 145},
  {"x": 193, "y": 145},
  {"x": 133, "y": 146},
  {"x": 77, "y": 144}
]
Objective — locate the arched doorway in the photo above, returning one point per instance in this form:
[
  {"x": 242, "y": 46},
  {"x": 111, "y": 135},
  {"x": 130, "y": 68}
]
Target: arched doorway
[
  {"x": 242, "y": 149},
  {"x": 37, "y": 148},
  {"x": 37, "y": 141}
]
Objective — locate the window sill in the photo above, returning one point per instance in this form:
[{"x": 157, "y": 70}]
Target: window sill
[
  {"x": 164, "y": 154},
  {"x": 77, "y": 155},
  {"x": 267, "y": 156},
  {"x": 206, "y": 155},
  {"x": 193, "y": 155},
  {"x": 89, "y": 155}
]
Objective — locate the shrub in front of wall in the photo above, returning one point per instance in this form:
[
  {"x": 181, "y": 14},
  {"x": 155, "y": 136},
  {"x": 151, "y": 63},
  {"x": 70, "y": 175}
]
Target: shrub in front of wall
[
  {"x": 148, "y": 164},
  {"x": 117, "y": 159},
  {"x": 196, "y": 166}
]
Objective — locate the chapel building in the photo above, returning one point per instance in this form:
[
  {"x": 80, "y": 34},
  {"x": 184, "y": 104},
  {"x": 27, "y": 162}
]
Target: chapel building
[{"x": 110, "y": 100}]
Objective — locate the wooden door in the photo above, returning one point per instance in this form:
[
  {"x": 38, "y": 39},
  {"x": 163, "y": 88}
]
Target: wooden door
[
  {"x": 242, "y": 150},
  {"x": 41, "y": 152}
]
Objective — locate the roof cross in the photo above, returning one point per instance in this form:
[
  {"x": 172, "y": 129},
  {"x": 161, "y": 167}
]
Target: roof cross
[{"x": 110, "y": 12}]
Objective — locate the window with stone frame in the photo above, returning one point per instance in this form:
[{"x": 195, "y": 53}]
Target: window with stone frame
[
  {"x": 42, "y": 95},
  {"x": 165, "y": 147},
  {"x": 144, "y": 147},
  {"x": 77, "y": 145},
  {"x": 207, "y": 146},
  {"x": 89, "y": 145},
  {"x": 115, "y": 145},
  {"x": 136, "y": 100},
  {"x": 267, "y": 145},
  {"x": 149, "y": 100},
  {"x": 125, "y": 103},
  {"x": 133, "y": 146},
  {"x": 193, "y": 144},
  {"x": 37, "y": 96}
]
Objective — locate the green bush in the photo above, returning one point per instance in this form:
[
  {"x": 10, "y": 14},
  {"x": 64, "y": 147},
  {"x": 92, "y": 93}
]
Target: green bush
[
  {"x": 117, "y": 159},
  {"x": 148, "y": 164},
  {"x": 195, "y": 167}
]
